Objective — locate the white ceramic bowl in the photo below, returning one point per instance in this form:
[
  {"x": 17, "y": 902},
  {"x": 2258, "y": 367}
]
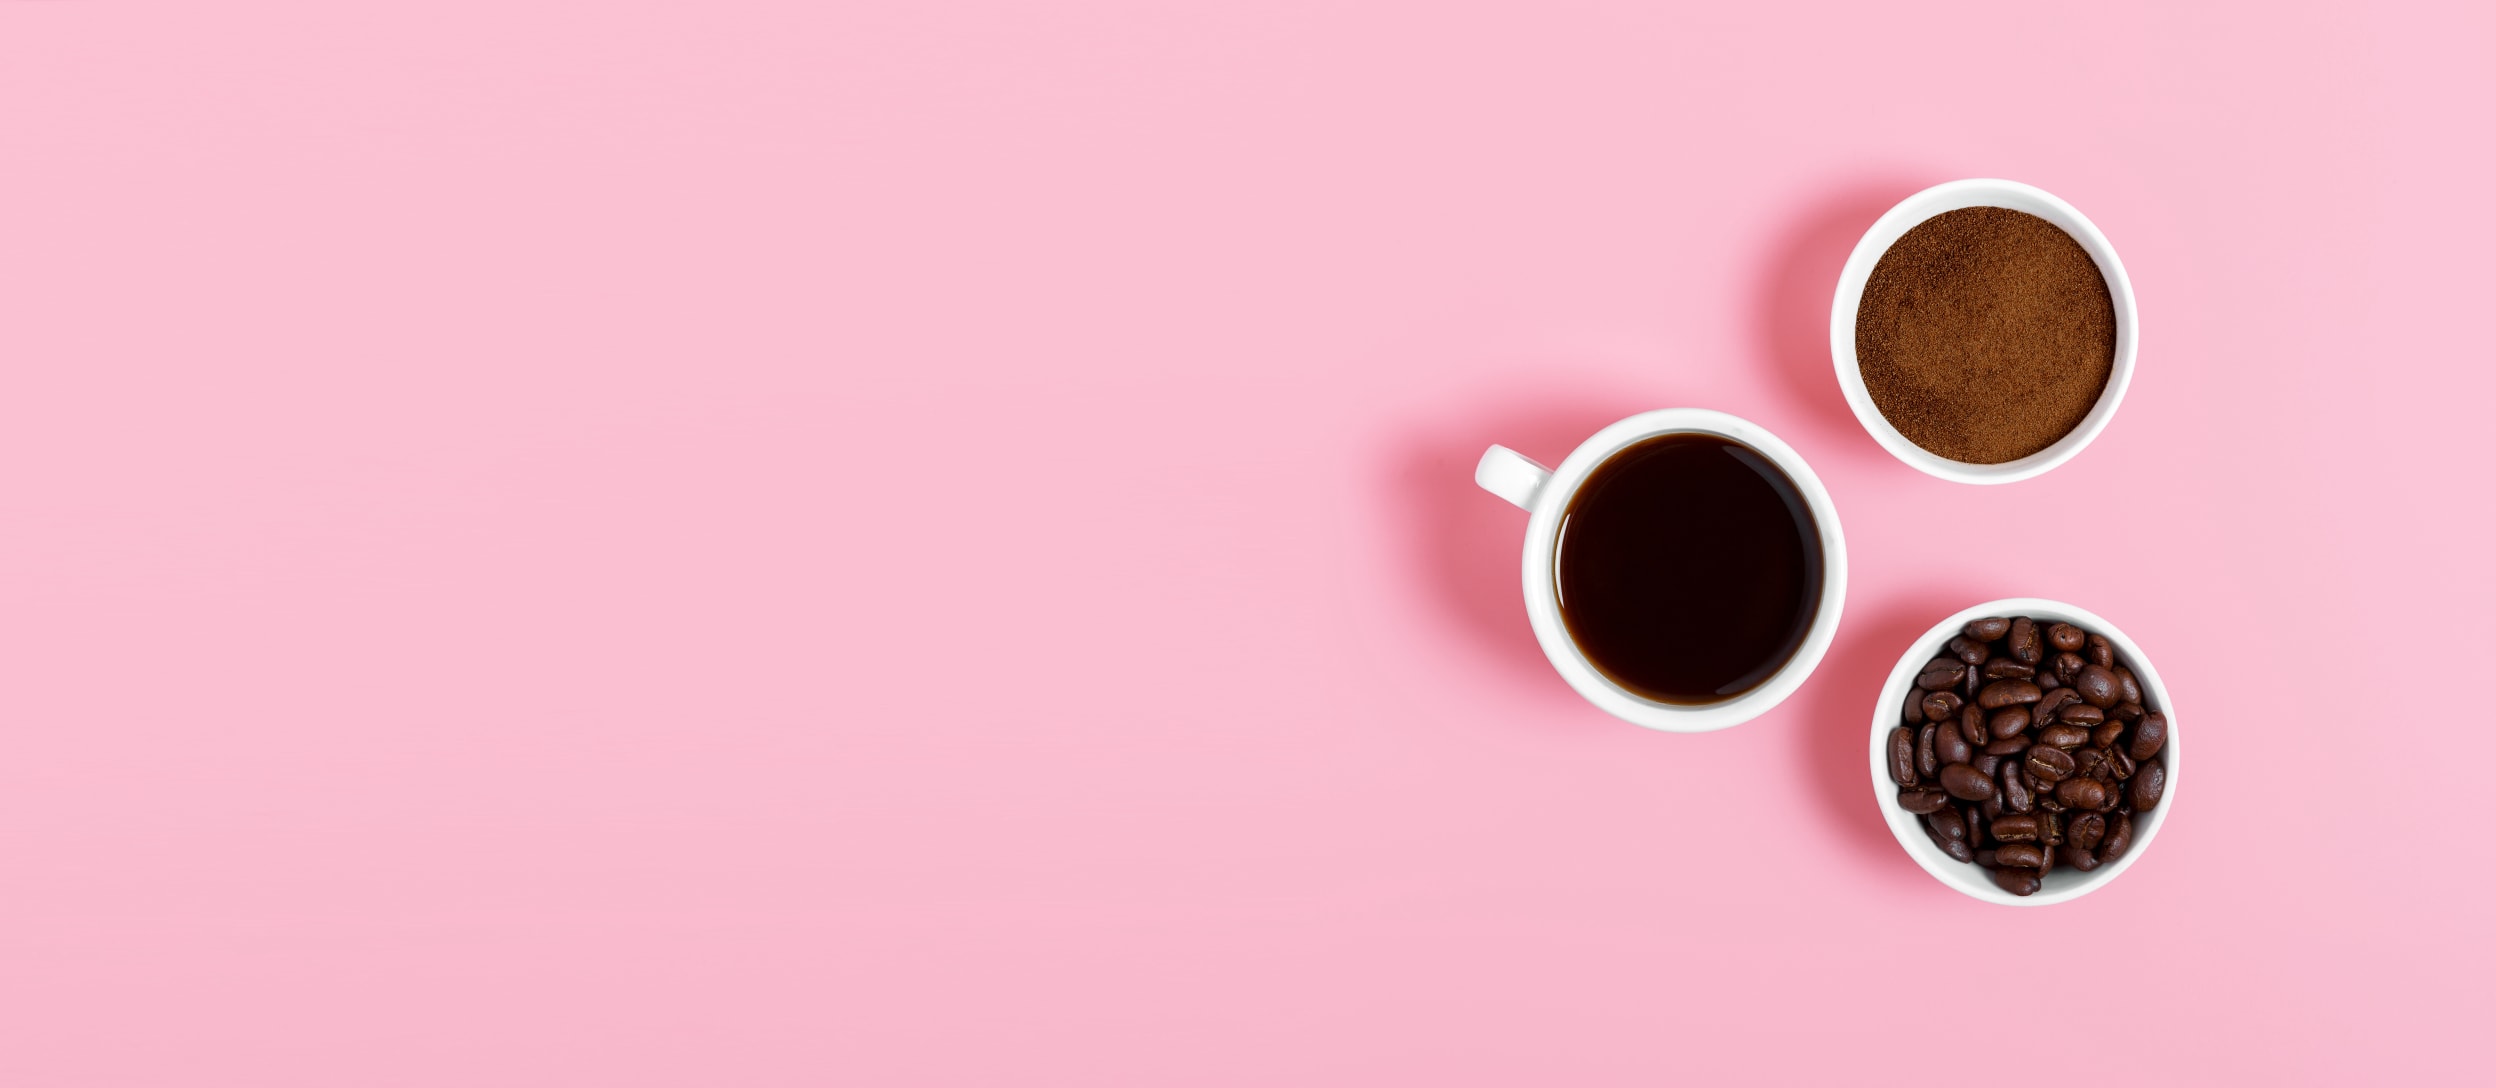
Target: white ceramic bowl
[
  {"x": 2064, "y": 883},
  {"x": 1979, "y": 193}
]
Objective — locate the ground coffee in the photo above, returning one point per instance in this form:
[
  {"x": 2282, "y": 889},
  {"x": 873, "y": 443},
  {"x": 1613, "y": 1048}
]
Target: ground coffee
[{"x": 1985, "y": 334}]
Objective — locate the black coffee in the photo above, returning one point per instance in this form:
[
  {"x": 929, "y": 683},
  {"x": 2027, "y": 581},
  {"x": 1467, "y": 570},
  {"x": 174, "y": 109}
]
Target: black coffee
[{"x": 1689, "y": 568}]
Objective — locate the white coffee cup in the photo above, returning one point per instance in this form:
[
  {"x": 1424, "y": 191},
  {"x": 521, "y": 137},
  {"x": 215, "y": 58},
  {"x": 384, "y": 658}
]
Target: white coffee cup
[{"x": 1545, "y": 493}]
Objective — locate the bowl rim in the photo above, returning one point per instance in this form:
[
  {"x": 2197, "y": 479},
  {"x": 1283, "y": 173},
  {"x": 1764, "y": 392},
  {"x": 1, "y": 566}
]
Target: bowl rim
[
  {"x": 1951, "y": 196},
  {"x": 2062, "y": 885}
]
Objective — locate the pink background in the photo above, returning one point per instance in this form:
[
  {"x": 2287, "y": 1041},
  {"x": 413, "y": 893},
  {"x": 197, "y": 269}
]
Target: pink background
[{"x": 915, "y": 543}]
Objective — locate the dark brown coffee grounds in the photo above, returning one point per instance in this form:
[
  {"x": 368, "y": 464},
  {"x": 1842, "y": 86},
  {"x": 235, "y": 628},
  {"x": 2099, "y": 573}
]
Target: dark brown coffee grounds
[{"x": 1985, "y": 334}]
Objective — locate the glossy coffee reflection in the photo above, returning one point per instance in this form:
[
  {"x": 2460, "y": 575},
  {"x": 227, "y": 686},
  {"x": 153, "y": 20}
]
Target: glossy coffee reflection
[{"x": 1688, "y": 568}]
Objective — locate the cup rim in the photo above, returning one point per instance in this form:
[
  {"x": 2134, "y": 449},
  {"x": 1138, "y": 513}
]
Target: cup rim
[
  {"x": 1951, "y": 196},
  {"x": 2063, "y": 884},
  {"x": 1542, "y": 599}
]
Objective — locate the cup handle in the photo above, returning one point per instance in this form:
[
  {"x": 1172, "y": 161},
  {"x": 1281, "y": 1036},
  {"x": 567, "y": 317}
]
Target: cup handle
[{"x": 1511, "y": 475}]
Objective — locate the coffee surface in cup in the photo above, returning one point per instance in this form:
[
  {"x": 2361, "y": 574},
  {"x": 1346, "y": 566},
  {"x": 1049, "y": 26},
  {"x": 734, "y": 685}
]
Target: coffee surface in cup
[{"x": 1688, "y": 568}]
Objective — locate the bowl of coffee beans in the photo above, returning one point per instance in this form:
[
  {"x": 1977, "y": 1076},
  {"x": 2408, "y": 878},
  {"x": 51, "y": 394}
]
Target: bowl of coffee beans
[
  {"x": 1983, "y": 331},
  {"x": 2024, "y": 752}
]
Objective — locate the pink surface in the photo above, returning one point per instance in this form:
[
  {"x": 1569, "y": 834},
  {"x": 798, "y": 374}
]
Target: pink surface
[{"x": 775, "y": 544}]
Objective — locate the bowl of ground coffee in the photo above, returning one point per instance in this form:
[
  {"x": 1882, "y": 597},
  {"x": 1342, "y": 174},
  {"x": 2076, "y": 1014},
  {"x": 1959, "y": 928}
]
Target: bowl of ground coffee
[
  {"x": 1983, "y": 331},
  {"x": 2024, "y": 752}
]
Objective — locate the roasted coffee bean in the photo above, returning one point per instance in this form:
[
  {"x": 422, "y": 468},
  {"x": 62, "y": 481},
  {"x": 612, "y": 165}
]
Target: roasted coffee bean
[
  {"x": 1975, "y": 817},
  {"x": 1985, "y": 765},
  {"x": 2007, "y": 746},
  {"x": 2067, "y": 667},
  {"x": 2003, "y": 668},
  {"x": 1902, "y": 756},
  {"x": 2049, "y": 764},
  {"x": 1972, "y": 725},
  {"x": 1969, "y": 650},
  {"x": 2127, "y": 713},
  {"x": 2023, "y": 643},
  {"x": 2050, "y": 708},
  {"x": 2046, "y": 802},
  {"x": 1942, "y": 675},
  {"x": 2063, "y": 736},
  {"x": 2083, "y": 860},
  {"x": 1956, "y": 848},
  {"x": 1950, "y": 833},
  {"x": 2149, "y": 786},
  {"x": 2106, "y": 734},
  {"x": 2002, "y": 693},
  {"x": 2118, "y": 838},
  {"x": 2019, "y": 882},
  {"x": 2114, "y": 798},
  {"x": 2122, "y": 763},
  {"x": 1984, "y": 859},
  {"x": 2131, "y": 684},
  {"x": 2020, "y": 855},
  {"x": 2049, "y": 852},
  {"x": 2086, "y": 830},
  {"x": 2050, "y": 829},
  {"x": 1941, "y": 706},
  {"x": 2078, "y": 793},
  {"x": 2082, "y": 715},
  {"x": 2098, "y": 686},
  {"x": 2014, "y": 789},
  {"x": 2086, "y": 762},
  {"x": 2100, "y": 652},
  {"x": 2149, "y": 736},
  {"x": 1992, "y": 806},
  {"x": 1922, "y": 799},
  {"x": 2066, "y": 637},
  {"x": 2016, "y": 828},
  {"x": 2047, "y": 681},
  {"x": 1949, "y": 747},
  {"x": 1946, "y": 822},
  {"x": 2010, "y": 721},
  {"x": 1966, "y": 783},
  {"x": 1915, "y": 706},
  {"x": 1987, "y": 630},
  {"x": 1926, "y": 763},
  {"x": 1969, "y": 683}
]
